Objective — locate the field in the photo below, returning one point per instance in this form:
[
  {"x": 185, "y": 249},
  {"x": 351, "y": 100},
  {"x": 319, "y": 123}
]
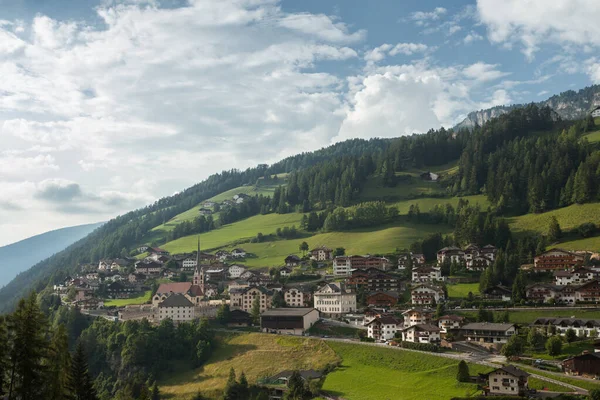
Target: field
[
  {"x": 461, "y": 290},
  {"x": 374, "y": 189},
  {"x": 141, "y": 299},
  {"x": 568, "y": 218},
  {"x": 375, "y": 241},
  {"x": 563, "y": 378},
  {"x": 593, "y": 137},
  {"x": 528, "y": 316},
  {"x": 592, "y": 243},
  {"x": 427, "y": 203},
  {"x": 374, "y": 373},
  {"x": 230, "y": 234},
  {"x": 257, "y": 355},
  {"x": 568, "y": 350}
]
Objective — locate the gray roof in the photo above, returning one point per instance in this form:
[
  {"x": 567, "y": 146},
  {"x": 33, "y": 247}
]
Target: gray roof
[
  {"x": 176, "y": 300},
  {"x": 488, "y": 326},
  {"x": 278, "y": 312},
  {"x": 512, "y": 370}
]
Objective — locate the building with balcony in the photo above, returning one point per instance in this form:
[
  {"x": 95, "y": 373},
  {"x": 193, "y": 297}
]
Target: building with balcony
[
  {"x": 488, "y": 332},
  {"x": 421, "y": 333},
  {"x": 507, "y": 381},
  {"x": 557, "y": 259},
  {"x": 383, "y": 328}
]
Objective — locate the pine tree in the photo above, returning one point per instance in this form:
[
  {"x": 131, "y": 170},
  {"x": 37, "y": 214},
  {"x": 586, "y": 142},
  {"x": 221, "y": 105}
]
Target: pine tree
[
  {"x": 155, "y": 393},
  {"x": 255, "y": 310},
  {"x": 244, "y": 391},
  {"x": 59, "y": 366},
  {"x": 29, "y": 351},
  {"x": 463, "y": 374},
  {"x": 554, "y": 231},
  {"x": 3, "y": 357},
  {"x": 81, "y": 382}
]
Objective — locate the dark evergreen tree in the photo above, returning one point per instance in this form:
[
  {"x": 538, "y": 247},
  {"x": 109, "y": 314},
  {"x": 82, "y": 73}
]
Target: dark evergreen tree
[
  {"x": 463, "y": 374},
  {"x": 81, "y": 383}
]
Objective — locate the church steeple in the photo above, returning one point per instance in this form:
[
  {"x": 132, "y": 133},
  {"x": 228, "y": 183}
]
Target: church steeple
[{"x": 198, "y": 272}]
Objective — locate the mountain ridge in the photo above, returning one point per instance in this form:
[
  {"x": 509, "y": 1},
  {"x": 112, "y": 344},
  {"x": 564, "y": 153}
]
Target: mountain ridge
[
  {"x": 18, "y": 256},
  {"x": 569, "y": 105}
]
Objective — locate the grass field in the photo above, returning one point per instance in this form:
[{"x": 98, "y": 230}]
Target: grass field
[
  {"x": 563, "y": 378},
  {"x": 141, "y": 299},
  {"x": 376, "y": 241},
  {"x": 535, "y": 383},
  {"x": 461, "y": 290},
  {"x": 568, "y": 350},
  {"x": 528, "y": 316},
  {"x": 593, "y": 137},
  {"x": 374, "y": 189},
  {"x": 244, "y": 229},
  {"x": 427, "y": 203},
  {"x": 256, "y": 354},
  {"x": 568, "y": 218},
  {"x": 373, "y": 373},
  {"x": 592, "y": 243}
]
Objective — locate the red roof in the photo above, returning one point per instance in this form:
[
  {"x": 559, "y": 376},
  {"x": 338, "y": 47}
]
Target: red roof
[{"x": 177, "y": 287}]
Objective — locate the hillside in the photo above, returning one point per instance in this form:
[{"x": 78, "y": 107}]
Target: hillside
[
  {"x": 19, "y": 256},
  {"x": 569, "y": 105}
]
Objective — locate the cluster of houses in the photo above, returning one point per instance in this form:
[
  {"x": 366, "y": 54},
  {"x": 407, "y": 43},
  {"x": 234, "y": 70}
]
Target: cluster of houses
[{"x": 208, "y": 207}]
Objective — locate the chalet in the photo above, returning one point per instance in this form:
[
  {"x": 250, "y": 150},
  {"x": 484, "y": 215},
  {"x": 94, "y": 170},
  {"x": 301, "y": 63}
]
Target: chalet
[
  {"x": 119, "y": 290},
  {"x": 416, "y": 316},
  {"x": 478, "y": 263},
  {"x": 177, "y": 307},
  {"x": 498, "y": 292},
  {"x": 488, "y": 332},
  {"x": 488, "y": 251},
  {"x": 343, "y": 265},
  {"x": 507, "y": 381},
  {"x": 450, "y": 322},
  {"x": 259, "y": 280},
  {"x": 421, "y": 333},
  {"x": 382, "y": 299},
  {"x": 588, "y": 292},
  {"x": 189, "y": 264},
  {"x": 235, "y": 271},
  {"x": 243, "y": 298},
  {"x": 575, "y": 277},
  {"x": 205, "y": 211},
  {"x": 209, "y": 204},
  {"x": 247, "y": 275},
  {"x": 104, "y": 265},
  {"x": 297, "y": 297},
  {"x": 216, "y": 274},
  {"x": 147, "y": 267},
  {"x": 557, "y": 259},
  {"x": 143, "y": 248},
  {"x": 321, "y": 254},
  {"x": 91, "y": 303},
  {"x": 238, "y": 253},
  {"x": 596, "y": 112},
  {"x": 383, "y": 328},
  {"x": 586, "y": 364},
  {"x": 582, "y": 327},
  {"x": 292, "y": 260},
  {"x": 426, "y": 294},
  {"x": 240, "y": 198},
  {"x": 294, "y": 321},
  {"x": 450, "y": 254},
  {"x": 158, "y": 250},
  {"x": 542, "y": 292},
  {"x": 134, "y": 278},
  {"x": 427, "y": 274},
  {"x": 334, "y": 299},
  {"x": 415, "y": 260},
  {"x": 92, "y": 276},
  {"x": 285, "y": 271},
  {"x": 222, "y": 255},
  {"x": 239, "y": 318}
]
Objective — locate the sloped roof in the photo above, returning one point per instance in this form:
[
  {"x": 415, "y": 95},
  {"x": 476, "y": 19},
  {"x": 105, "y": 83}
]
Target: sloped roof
[
  {"x": 488, "y": 326},
  {"x": 175, "y": 287},
  {"x": 512, "y": 370},
  {"x": 288, "y": 312},
  {"x": 176, "y": 300}
]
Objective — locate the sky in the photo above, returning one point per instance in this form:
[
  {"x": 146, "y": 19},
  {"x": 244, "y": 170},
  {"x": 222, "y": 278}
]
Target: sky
[{"x": 107, "y": 105}]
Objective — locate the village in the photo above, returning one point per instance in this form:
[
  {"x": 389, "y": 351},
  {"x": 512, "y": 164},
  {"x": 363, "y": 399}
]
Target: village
[{"x": 395, "y": 300}]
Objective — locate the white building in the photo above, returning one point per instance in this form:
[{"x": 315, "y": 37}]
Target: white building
[
  {"x": 296, "y": 297},
  {"x": 427, "y": 274},
  {"x": 449, "y": 322},
  {"x": 334, "y": 299},
  {"x": 383, "y": 328},
  {"x": 416, "y": 316},
  {"x": 294, "y": 321},
  {"x": 426, "y": 294},
  {"x": 177, "y": 308},
  {"x": 235, "y": 271},
  {"x": 576, "y": 277},
  {"x": 508, "y": 381},
  {"x": 189, "y": 263},
  {"x": 342, "y": 266},
  {"x": 238, "y": 253},
  {"x": 421, "y": 333}
]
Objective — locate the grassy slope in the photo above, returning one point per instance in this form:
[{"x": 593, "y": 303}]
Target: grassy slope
[
  {"x": 255, "y": 354},
  {"x": 593, "y": 137},
  {"x": 427, "y": 203},
  {"x": 373, "y": 241},
  {"x": 245, "y": 229},
  {"x": 370, "y": 373},
  {"x": 568, "y": 218},
  {"x": 528, "y": 316},
  {"x": 141, "y": 299},
  {"x": 461, "y": 290}
]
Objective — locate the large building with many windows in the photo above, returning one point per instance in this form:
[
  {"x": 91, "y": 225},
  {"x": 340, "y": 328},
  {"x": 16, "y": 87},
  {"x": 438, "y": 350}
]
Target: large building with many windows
[{"x": 334, "y": 299}]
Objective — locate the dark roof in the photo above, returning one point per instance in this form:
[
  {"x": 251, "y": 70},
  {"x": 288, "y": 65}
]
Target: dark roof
[
  {"x": 386, "y": 320},
  {"x": 293, "y": 312},
  {"x": 514, "y": 371},
  {"x": 488, "y": 326},
  {"x": 452, "y": 317},
  {"x": 424, "y": 327},
  {"x": 391, "y": 294},
  {"x": 176, "y": 300}
]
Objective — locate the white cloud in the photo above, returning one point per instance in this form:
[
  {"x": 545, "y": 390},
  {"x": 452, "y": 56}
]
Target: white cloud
[
  {"x": 408, "y": 48},
  {"x": 483, "y": 72},
  {"x": 381, "y": 52},
  {"x": 472, "y": 37},
  {"x": 592, "y": 68},
  {"x": 425, "y": 17},
  {"x": 531, "y": 23},
  {"x": 322, "y": 27}
]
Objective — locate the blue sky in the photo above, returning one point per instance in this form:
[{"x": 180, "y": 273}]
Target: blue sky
[{"x": 107, "y": 105}]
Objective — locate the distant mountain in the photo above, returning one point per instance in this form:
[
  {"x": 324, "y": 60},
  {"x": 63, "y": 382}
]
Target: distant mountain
[
  {"x": 20, "y": 256},
  {"x": 569, "y": 105}
]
